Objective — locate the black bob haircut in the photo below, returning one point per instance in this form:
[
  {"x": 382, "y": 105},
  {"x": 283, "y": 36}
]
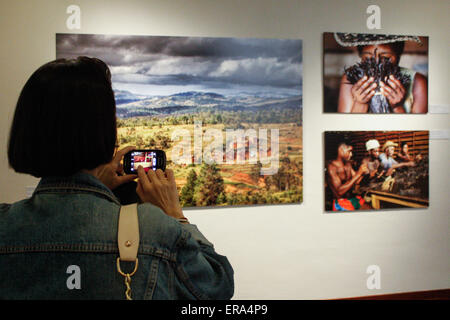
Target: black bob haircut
[{"x": 65, "y": 119}]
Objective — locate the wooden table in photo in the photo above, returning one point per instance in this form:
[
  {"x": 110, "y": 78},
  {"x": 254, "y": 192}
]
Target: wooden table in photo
[{"x": 412, "y": 202}]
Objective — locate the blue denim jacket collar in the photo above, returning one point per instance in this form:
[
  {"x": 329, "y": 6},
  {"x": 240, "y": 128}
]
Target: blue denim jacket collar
[{"x": 78, "y": 182}]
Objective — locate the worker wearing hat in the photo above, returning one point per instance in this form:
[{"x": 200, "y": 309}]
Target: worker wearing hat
[
  {"x": 372, "y": 160},
  {"x": 387, "y": 158}
]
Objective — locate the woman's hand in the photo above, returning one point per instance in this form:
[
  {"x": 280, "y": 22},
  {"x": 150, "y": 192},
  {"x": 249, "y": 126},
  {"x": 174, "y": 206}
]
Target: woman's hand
[
  {"x": 159, "y": 188},
  {"x": 112, "y": 174},
  {"x": 363, "y": 90},
  {"x": 355, "y": 98},
  {"x": 394, "y": 92}
]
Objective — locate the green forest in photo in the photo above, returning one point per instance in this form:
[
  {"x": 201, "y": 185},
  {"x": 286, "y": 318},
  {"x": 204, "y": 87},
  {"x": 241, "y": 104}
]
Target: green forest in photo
[{"x": 225, "y": 184}]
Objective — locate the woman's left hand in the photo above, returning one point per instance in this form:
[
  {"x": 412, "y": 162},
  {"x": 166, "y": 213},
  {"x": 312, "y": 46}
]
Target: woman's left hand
[
  {"x": 394, "y": 92},
  {"x": 160, "y": 189},
  {"x": 112, "y": 174}
]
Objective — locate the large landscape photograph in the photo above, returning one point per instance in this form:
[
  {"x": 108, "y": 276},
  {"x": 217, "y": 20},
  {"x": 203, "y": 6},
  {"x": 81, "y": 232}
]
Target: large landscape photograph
[{"x": 227, "y": 111}]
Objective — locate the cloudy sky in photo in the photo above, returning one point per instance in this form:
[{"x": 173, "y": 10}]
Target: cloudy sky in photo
[{"x": 157, "y": 65}]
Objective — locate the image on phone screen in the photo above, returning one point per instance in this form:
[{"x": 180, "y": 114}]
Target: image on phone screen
[{"x": 146, "y": 159}]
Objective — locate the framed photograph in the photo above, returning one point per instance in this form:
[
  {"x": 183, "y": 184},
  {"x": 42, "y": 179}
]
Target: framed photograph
[
  {"x": 375, "y": 73},
  {"x": 371, "y": 170},
  {"x": 227, "y": 111}
]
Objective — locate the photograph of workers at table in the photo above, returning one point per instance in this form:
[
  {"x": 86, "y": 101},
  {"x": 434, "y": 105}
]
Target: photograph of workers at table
[{"x": 367, "y": 170}]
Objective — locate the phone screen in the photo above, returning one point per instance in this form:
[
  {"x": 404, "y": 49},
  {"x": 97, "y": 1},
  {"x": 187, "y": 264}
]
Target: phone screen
[{"x": 146, "y": 159}]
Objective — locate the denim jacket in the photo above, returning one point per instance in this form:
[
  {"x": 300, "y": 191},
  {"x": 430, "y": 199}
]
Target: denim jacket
[{"x": 62, "y": 244}]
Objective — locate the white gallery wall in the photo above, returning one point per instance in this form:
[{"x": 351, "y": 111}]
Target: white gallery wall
[{"x": 284, "y": 251}]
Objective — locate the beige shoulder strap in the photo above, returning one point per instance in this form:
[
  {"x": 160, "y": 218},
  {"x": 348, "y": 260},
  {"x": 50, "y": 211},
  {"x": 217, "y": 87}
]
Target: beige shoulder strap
[
  {"x": 128, "y": 233},
  {"x": 128, "y": 242}
]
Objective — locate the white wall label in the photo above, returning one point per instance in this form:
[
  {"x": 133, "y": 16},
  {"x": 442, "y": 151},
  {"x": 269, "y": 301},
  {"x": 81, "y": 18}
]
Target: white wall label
[
  {"x": 439, "y": 135},
  {"x": 74, "y": 20},
  {"x": 74, "y": 280},
  {"x": 374, "y": 20},
  {"x": 439, "y": 109},
  {"x": 374, "y": 280}
]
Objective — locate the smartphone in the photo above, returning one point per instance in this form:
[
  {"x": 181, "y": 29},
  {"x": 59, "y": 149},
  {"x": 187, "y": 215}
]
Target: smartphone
[{"x": 148, "y": 159}]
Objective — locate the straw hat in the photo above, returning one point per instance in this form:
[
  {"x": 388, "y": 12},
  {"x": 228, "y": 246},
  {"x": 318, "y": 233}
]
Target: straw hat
[
  {"x": 389, "y": 143},
  {"x": 364, "y": 39}
]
